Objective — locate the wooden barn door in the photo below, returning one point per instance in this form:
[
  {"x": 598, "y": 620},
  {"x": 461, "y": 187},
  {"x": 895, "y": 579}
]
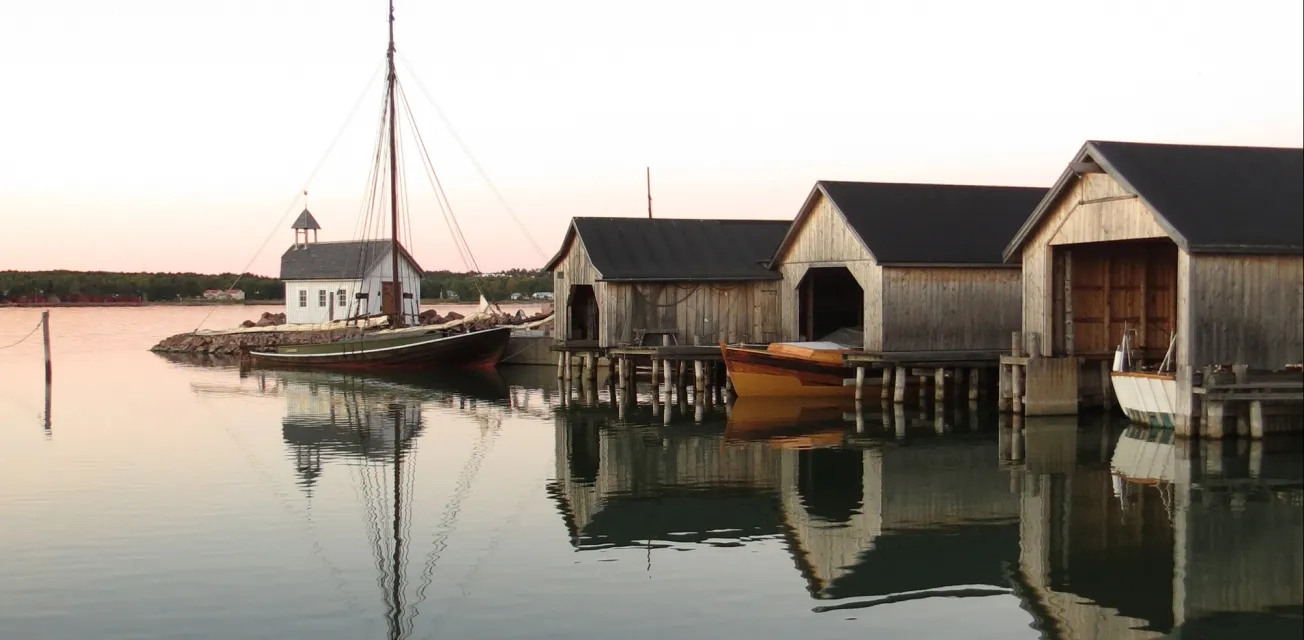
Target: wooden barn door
[{"x": 1113, "y": 287}]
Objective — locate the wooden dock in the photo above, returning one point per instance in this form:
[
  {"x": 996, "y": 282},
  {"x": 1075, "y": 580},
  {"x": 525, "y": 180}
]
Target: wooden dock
[
  {"x": 1256, "y": 398},
  {"x": 962, "y": 368}
]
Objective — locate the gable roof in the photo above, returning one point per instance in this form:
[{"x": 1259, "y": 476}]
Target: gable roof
[
  {"x": 924, "y": 224},
  {"x": 665, "y": 249},
  {"x": 347, "y": 260},
  {"x": 305, "y": 221},
  {"x": 1209, "y": 199}
]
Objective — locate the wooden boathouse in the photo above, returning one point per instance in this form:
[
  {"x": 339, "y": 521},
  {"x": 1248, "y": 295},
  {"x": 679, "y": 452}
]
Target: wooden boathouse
[
  {"x": 1197, "y": 247},
  {"x": 910, "y": 273},
  {"x": 645, "y": 283}
]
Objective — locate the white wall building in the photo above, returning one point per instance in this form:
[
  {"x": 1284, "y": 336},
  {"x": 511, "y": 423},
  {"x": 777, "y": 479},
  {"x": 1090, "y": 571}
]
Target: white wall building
[{"x": 327, "y": 281}]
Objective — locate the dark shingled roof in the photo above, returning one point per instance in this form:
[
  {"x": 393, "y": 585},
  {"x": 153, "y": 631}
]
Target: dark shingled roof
[
  {"x": 1210, "y": 199},
  {"x": 662, "y": 249},
  {"x": 905, "y": 223},
  {"x": 336, "y": 260},
  {"x": 305, "y": 221}
]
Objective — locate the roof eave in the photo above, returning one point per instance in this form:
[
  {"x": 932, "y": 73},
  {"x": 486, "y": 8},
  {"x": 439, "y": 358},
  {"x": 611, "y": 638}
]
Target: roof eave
[
  {"x": 952, "y": 265},
  {"x": 793, "y": 226},
  {"x": 1247, "y": 249},
  {"x": 571, "y": 232},
  {"x": 636, "y": 279},
  {"x": 1047, "y": 201},
  {"x": 1173, "y": 233}
]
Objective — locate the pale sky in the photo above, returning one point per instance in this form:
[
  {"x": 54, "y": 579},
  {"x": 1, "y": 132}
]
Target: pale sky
[{"x": 171, "y": 135}]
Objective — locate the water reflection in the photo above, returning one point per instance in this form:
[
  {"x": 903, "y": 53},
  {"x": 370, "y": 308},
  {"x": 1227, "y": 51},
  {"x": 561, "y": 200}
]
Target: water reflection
[
  {"x": 1095, "y": 530},
  {"x": 369, "y": 425}
]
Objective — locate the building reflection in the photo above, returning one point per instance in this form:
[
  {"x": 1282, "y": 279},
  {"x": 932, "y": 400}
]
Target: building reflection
[{"x": 1098, "y": 531}]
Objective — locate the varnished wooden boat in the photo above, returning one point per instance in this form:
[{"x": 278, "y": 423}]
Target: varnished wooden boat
[
  {"x": 789, "y": 369},
  {"x": 482, "y": 348}
]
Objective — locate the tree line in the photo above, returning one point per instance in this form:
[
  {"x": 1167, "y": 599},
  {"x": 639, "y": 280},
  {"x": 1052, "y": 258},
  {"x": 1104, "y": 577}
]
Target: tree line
[{"x": 163, "y": 287}]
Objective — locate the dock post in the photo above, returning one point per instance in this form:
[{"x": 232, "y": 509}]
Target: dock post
[
  {"x": 45, "y": 332},
  {"x": 899, "y": 417},
  {"x": 561, "y": 365},
  {"x": 1214, "y": 428},
  {"x": 699, "y": 378},
  {"x": 885, "y": 389},
  {"x": 939, "y": 385},
  {"x": 1003, "y": 385},
  {"x": 860, "y": 418},
  {"x": 1256, "y": 420},
  {"x": 899, "y": 394},
  {"x": 1016, "y": 398},
  {"x": 620, "y": 372},
  {"x": 975, "y": 378},
  {"x": 860, "y": 382}
]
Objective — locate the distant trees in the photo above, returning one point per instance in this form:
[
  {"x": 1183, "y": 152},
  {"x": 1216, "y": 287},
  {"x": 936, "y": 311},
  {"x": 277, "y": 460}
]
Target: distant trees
[{"x": 164, "y": 287}]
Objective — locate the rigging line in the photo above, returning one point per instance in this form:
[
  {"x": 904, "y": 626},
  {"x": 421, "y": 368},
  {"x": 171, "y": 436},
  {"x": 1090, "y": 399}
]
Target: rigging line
[
  {"x": 362, "y": 227},
  {"x": 24, "y": 338},
  {"x": 445, "y": 207},
  {"x": 467, "y": 151},
  {"x": 440, "y": 198},
  {"x": 290, "y": 209}
]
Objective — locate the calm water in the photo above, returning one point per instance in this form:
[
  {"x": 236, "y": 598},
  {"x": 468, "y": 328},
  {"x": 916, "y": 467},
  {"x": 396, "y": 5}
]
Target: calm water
[{"x": 169, "y": 500}]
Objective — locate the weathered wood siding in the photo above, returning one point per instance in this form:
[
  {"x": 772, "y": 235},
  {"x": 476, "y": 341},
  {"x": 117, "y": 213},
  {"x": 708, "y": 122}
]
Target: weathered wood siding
[
  {"x": 934, "y": 309},
  {"x": 574, "y": 269},
  {"x": 701, "y": 313},
  {"x": 824, "y": 239},
  {"x": 1242, "y": 309},
  {"x": 1083, "y": 214}
]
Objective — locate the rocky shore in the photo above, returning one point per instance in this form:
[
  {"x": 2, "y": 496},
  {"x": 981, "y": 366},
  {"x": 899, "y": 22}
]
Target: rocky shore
[
  {"x": 233, "y": 344},
  {"x": 238, "y": 341}
]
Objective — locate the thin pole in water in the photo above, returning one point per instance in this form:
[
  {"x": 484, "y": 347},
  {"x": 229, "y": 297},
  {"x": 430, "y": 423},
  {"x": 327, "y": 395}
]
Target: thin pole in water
[
  {"x": 649, "y": 192},
  {"x": 49, "y": 370},
  {"x": 45, "y": 330}
]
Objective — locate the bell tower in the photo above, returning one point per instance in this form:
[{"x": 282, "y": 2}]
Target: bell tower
[{"x": 304, "y": 224}]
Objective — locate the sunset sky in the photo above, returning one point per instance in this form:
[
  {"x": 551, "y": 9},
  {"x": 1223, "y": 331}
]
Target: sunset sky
[{"x": 174, "y": 135}]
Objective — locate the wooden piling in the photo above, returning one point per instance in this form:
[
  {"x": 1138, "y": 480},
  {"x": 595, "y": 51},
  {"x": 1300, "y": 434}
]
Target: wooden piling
[
  {"x": 860, "y": 382},
  {"x": 899, "y": 394},
  {"x": 45, "y": 331},
  {"x": 699, "y": 378},
  {"x": 1214, "y": 426},
  {"x": 1016, "y": 389},
  {"x": 1004, "y": 392},
  {"x": 885, "y": 389},
  {"x": 975, "y": 378},
  {"x": 561, "y": 365},
  {"x": 1256, "y": 419},
  {"x": 860, "y": 418},
  {"x": 939, "y": 385}
]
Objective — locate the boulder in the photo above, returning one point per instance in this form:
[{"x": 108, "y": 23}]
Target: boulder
[{"x": 453, "y": 315}]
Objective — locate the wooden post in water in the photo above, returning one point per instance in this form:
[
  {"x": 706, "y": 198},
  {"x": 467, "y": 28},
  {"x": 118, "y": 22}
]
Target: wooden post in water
[
  {"x": 899, "y": 394},
  {"x": 45, "y": 330},
  {"x": 974, "y": 381},
  {"x": 939, "y": 385},
  {"x": 860, "y": 382},
  {"x": 885, "y": 391}
]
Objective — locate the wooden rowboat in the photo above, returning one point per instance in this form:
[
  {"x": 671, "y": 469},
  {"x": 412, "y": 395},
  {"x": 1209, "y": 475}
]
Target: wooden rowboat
[{"x": 789, "y": 369}]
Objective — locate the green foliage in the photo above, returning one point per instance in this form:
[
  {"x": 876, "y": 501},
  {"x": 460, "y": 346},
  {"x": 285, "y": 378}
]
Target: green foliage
[
  {"x": 496, "y": 287},
  {"x": 163, "y": 287}
]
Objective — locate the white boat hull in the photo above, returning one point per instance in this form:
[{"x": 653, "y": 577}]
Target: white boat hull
[{"x": 1147, "y": 398}]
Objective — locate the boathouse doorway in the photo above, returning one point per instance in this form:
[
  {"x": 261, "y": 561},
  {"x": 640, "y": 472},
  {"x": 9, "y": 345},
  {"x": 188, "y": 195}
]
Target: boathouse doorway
[
  {"x": 1103, "y": 288},
  {"x": 582, "y": 305},
  {"x": 829, "y": 299}
]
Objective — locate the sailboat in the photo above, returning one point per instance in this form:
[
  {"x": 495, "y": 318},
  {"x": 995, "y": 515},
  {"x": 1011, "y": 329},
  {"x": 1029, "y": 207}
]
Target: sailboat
[{"x": 397, "y": 346}]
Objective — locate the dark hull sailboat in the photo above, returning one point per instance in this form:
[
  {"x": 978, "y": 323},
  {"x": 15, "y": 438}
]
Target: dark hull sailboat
[
  {"x": 483, "y": 348},
  {"x": 398, "y": 346}
]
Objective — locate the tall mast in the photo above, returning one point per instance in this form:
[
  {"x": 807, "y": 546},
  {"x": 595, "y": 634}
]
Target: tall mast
[{"x": 397, "y": 292}]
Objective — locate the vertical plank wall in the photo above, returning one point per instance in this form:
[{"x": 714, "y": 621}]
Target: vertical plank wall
[
  {"x": 824, "y": 239},
  {"x": 701, "y": 313},
  {"x": 939, "y": 309},
  {"x": 1243, "y": 309}
]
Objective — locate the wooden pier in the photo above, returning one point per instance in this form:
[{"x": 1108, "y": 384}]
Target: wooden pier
[
  {"x": 1262, "y": 402},
  {"x": 963, "y": 371}
]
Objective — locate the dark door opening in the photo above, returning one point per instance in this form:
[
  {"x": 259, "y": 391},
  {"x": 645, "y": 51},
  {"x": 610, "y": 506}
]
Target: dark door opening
[
  {"x": 829, "y": 299},
  {"x": 583, "y": 306}
]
